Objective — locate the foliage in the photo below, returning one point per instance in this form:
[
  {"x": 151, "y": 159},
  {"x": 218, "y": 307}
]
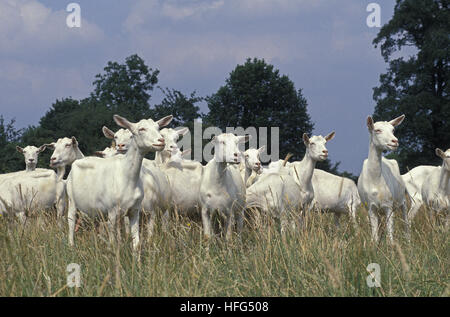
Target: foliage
[
  {"x": 418, "y": 85},
  {"x": 9, "y": 138}
]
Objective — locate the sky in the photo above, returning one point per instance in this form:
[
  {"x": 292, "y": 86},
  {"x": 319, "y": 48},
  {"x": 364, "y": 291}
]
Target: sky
[{"x": 324, "y": 46}]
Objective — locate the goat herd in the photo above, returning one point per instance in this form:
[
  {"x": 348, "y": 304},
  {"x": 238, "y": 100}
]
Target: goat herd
[{"x": 122, "y": 183}]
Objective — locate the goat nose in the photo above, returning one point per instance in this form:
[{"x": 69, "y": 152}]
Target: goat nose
[
  {"x": 325, "y": 151},
  {"x": 121, "y": 146},
  {"x": 236, "y": 154},
  {"x": 31, "y": 160},
  {"x": 395, "y": 141},
  {"x": 53, "y": 159}
]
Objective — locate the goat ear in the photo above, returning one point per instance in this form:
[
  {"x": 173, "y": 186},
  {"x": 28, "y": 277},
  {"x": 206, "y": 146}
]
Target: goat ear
[
  {"x": 107, "y": 133},
  {"x": 262, "y": 149},
  {"x": 183, "y": 131},
  {"x": 50, "y": 145},
  {"x": 99, "y": 154},
  {"x": 122, "y": 122},
  {"x": 42, "y": 148},
  {"x": 244, "y": 138},
  {"x": 74, "y": 141},
  {"x": 370, "y": 123},
  {"x": 164, "y": 121},
  {"x": 395, "y": 122},
  {"x": 19, "y": 149},
  {"x": 186, "y": 152},
  {"x": 440, "y": 153},
  {"x": 330, "y": 136},
  {"x": 305, "y": 139}
]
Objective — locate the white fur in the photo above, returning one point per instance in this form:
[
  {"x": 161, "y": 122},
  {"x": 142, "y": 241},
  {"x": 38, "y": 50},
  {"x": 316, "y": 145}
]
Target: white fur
[
  {"x": 157, "y": 192},
  {"x": 34, "y": 190},
  {"x": 436, "y": 189},
  {"x": 335, "y": 194},
  {"x": 380, "y": 184},
  {"x": 112, "y": 186},
  {"x": 65, "y": 152},
  {"x": 275, "y": 194},
  {"x": 303, "y": 170},
  {"x": 251, "y": 164},
  {"x": 222, "y": 188},
  {"x": 413, "y": 181}
]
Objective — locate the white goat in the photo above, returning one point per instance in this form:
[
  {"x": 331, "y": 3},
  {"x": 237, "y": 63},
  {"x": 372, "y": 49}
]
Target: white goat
[
  {"x": 436, "y": 190},
  {"x": 335, "y": 194},
  {"x": 65, "y": 152},
  {"x": 251, "y": 164},
  {"x": 107, "y": 152},
  {"x": 31, "y": 154},
  {"x": 413, "y": 181},
  {"x": 157, "y": 192},
  {"x": 303, "y": 170},
  {"x": 34, "y": 190},
  {"x": 275, "y": 193},
  {"x": 380, "y": 184},
  {"x": 184, "y": 176},
  {"x": 112, "y": 186},
  {"x": 222, "y": 188},
  {"x": 171, "y": 136}
]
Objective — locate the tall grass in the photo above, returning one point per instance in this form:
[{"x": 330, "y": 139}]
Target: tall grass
[{"x": 321, "y": 260}]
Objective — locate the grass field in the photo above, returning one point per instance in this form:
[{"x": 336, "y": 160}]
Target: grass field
[{"x": 318, "y": 261}]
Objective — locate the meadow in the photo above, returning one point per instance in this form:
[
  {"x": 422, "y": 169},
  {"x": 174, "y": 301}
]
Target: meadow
[{"x": 320, "y": 260}]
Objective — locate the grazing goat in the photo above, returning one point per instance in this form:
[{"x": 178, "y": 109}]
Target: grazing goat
[
  {"x": 113, "y": 186},
  {"x": 222, "y": 188},
  {"x": 380, "y": 184},
  {"x": 436, "y": 190}
]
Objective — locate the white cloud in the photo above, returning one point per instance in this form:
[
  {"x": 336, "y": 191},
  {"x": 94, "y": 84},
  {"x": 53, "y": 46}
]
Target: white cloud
[{"x": 29, "y": 25}]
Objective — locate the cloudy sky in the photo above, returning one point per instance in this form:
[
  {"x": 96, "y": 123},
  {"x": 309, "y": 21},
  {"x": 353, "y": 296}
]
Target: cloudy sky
[{"x": 324, "y": 46}]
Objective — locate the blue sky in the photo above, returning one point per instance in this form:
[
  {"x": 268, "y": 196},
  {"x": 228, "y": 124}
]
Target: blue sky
[{"x": 324, "y": 46}]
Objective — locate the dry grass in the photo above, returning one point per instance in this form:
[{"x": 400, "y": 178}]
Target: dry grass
[{"x": 319, "y": 261}]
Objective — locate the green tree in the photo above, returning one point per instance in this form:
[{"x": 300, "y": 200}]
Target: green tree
[
  {"x": 418, "y": 85},
  {"x": 256, "y": 95},
  {"x": 10, "y": 160},
  {"x": 68, "y": 117},
  {"x": 125, "y": 88},
  {"x": 182, "y": 107}
]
